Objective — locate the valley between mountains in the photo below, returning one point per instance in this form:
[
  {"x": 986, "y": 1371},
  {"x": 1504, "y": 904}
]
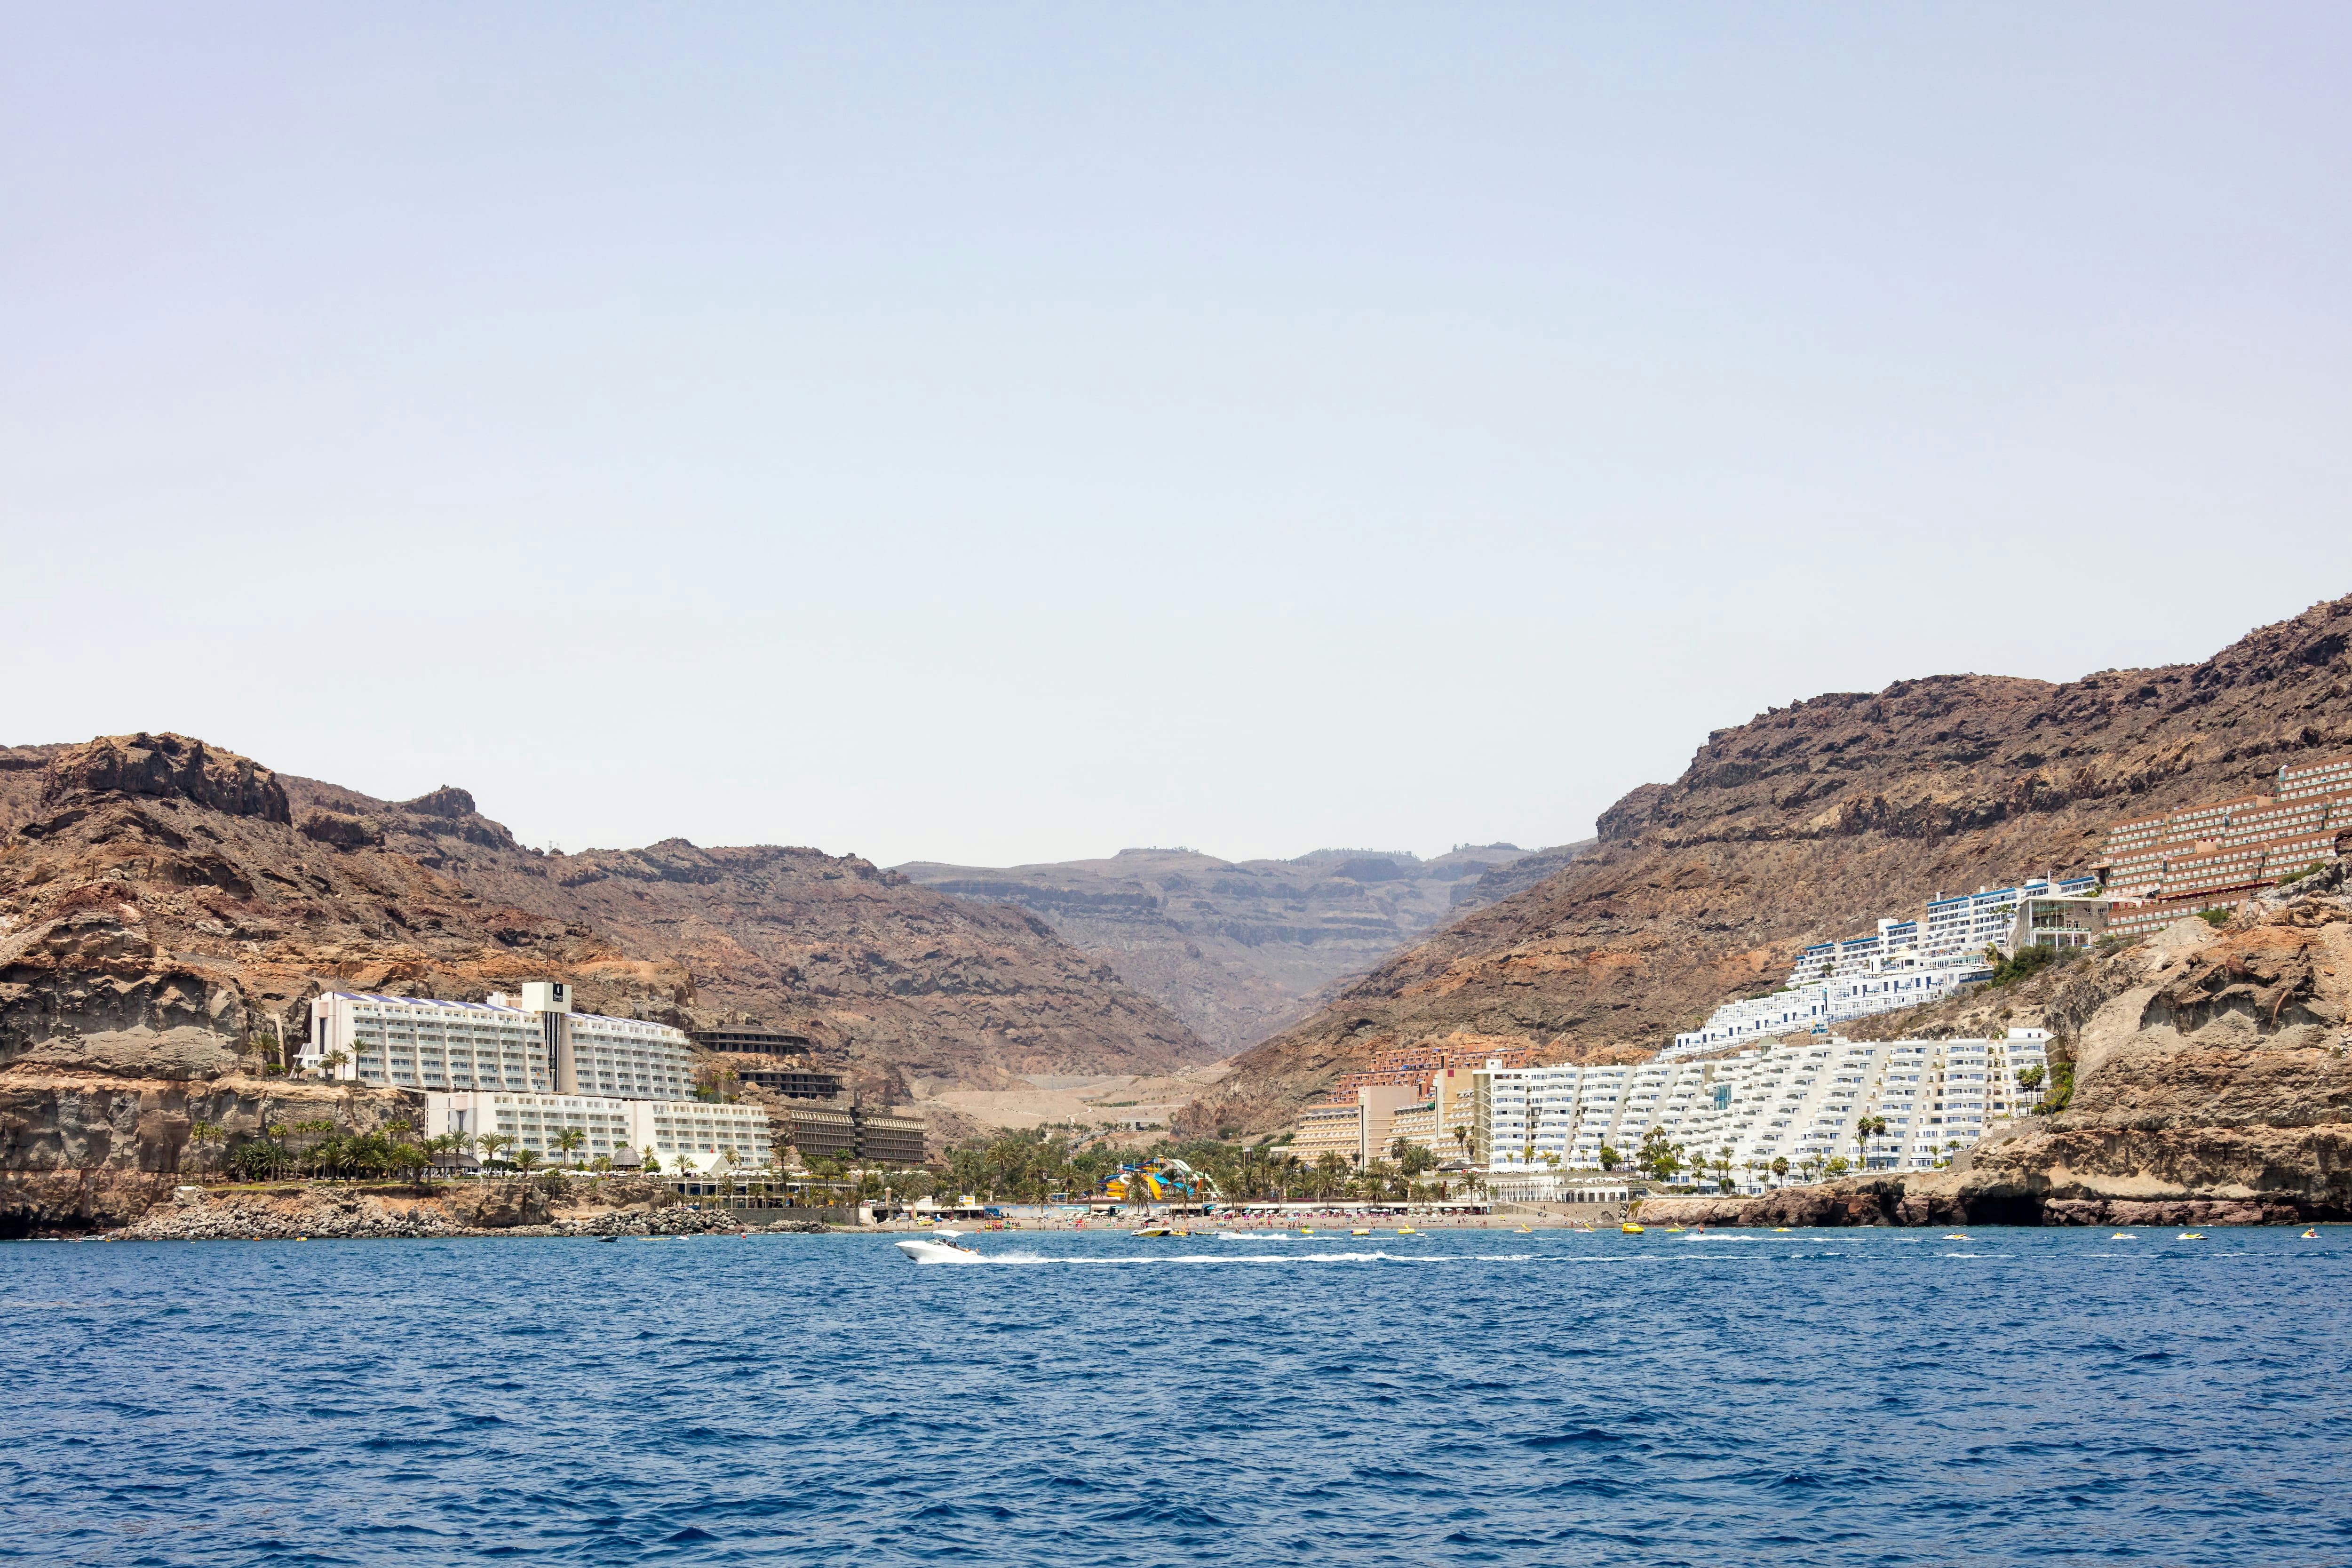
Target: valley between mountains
[{"x": 168, "y": 908}]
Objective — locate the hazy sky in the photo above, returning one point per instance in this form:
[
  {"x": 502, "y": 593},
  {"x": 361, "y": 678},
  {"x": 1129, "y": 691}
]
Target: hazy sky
[{"x": 1011, "y": 433}]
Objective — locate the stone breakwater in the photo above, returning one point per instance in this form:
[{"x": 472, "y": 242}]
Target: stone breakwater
[{"x": 195, "y": 1214}]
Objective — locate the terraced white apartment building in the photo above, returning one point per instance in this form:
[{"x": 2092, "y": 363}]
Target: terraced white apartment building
[
  {"x": 1800, "y": 1102},
  {"x": 539, "y": 1046},
  {"x": 1903, "y": 963}
]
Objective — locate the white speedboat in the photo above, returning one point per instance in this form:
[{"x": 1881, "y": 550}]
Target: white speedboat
[{"x": 940, "y": 1246}]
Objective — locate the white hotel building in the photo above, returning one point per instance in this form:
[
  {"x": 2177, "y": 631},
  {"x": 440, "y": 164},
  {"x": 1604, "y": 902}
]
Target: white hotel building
[
  {"x": 1792, "y": 1101},
  {"x": 1903, "y": 965},
  {"x": 681, "y": 1133},
  {"x": 542, "y": 1046},
  {"x": 532, "y": 1072}
]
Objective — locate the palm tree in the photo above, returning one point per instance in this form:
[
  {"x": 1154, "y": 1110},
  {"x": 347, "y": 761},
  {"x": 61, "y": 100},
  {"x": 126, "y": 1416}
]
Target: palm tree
[
  {"x": 568, "y": 1142},
  {"x": 201, "y": 1133},
  {"x": 526, "y": 1158},
  {"x": 494, "y": 1146},
  {"x": 1865, "y": 1129},
  {"x": 1780, "y": 1169}
]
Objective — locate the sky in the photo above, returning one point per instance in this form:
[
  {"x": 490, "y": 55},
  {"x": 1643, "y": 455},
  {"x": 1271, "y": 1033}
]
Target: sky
[{"x": 1012, "y": 433}]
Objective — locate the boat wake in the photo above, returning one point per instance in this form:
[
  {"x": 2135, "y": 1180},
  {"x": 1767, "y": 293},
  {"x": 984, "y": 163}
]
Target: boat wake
[{"x": 1228, "y": 1259}]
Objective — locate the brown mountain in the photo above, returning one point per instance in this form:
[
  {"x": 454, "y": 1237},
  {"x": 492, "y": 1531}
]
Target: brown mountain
[
  {"x": 149, "y": 881},
  {"x": 1809, "y": 822},
  {"x": 1240, "y": 949}
]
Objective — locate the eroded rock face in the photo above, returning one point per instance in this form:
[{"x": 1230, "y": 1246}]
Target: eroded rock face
[
  {"x": 167, "y": 765},
  {"x": 339, "y": 830},
  {"x": 82, "y": 1148}
]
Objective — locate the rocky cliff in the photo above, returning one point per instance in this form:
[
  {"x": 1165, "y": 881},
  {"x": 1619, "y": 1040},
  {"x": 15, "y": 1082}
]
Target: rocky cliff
[
  {"x": 167, "y": 909},
  {"x": 1809, "y": 822},
  {"x": 1240, "y": 949}
]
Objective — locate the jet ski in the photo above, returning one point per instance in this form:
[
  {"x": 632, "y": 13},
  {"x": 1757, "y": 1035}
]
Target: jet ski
[{"x": 940, "y": 1246}]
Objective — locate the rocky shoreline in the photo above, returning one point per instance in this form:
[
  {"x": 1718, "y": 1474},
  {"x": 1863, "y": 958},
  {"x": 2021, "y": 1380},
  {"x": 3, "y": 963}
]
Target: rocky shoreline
[
  {"x": 1893, "y": 1202},
  {"x": 320, "y": 1214}
]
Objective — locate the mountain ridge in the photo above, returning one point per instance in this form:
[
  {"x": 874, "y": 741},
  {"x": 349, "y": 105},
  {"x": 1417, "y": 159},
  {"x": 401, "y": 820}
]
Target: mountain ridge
[
  {"x": 1806, "y": 823},
  {"x": 207, "y": 891}
]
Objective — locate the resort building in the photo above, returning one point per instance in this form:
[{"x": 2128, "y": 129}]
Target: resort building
[
  {"x": 818, "y": 1113},
  {"x": 682, "y": 1134},
  {"x": 887, "y": 1138},
  {"x": 1442, "y": 1121},
  {"x": 1420, "y": 1093},
  {"x": 1800, "y": 1102},
  {"x": 1334, "y": 1127},
  {"x": 820, "y": 1130},
  {"x": 1358, "y": 1127},
  {"x": 1903, "y": 963},
  {"x": 2217, "y": 856},
  {"x": 1419, "y": 1065},
  {"x": 539, "y": 1046}
]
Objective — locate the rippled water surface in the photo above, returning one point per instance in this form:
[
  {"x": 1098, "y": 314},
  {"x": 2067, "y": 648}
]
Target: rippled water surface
[{"x": 1863, "y": 1397}]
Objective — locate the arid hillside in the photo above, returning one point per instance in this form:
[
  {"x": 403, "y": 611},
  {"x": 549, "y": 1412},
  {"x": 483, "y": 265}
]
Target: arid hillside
[
  {"x": 1240, "y": 949},
  {"x": 153, "y": 881},
  {"x": 1809, "y": 822}
]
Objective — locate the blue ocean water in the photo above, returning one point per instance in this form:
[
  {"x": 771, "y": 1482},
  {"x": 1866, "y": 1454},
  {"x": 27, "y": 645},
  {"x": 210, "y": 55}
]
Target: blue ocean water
[{"x": 1855, "y": 1397}]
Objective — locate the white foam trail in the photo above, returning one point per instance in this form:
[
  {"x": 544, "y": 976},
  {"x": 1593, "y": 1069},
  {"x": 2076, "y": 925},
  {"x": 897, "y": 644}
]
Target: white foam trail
[{"x": 1296, "y": 1259}]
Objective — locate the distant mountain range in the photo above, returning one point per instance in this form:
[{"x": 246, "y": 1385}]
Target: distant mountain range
[
  {"x": 1241, "y": 949},
  {"x": 1809, "y": 822}
]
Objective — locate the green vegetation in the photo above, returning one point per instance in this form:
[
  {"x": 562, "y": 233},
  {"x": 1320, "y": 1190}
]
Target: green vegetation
[
  {"x": 1042, "y": 1163},
  {"x": 1865, "y": 1129},
  {"x": 2062, "y": 1088},
  {"x": 2030, "y": 962},
  {"x": 2216, "y": 918},
  {"x": 1658, "y": 1157},
  {"x": 2299, "y": 876},
  {"x": 321, "y": 1149}
]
